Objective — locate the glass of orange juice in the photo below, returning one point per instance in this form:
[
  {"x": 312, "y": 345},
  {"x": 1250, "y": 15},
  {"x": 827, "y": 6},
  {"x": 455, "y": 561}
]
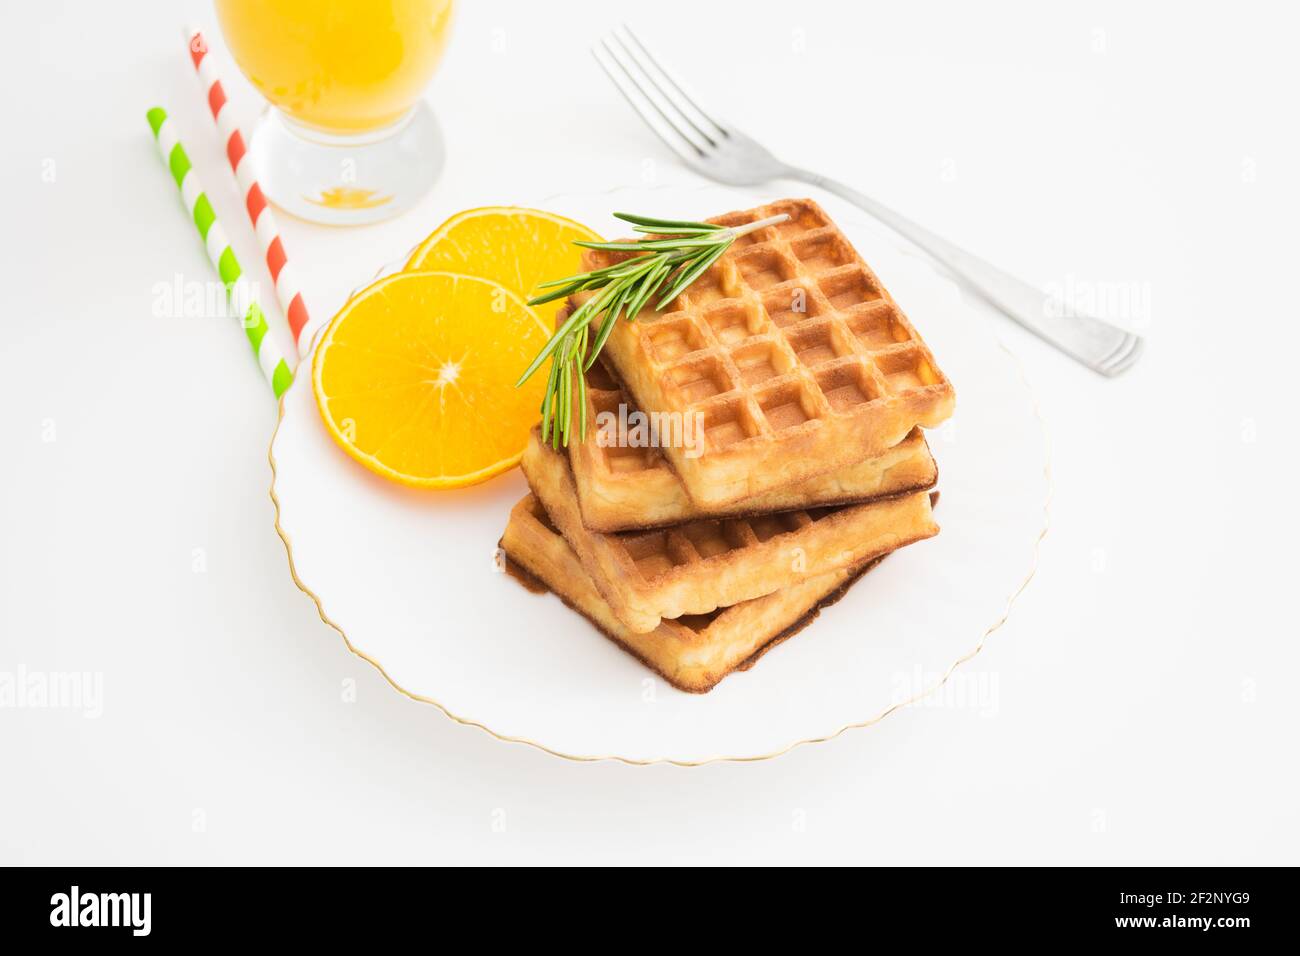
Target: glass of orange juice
[{"x": 348, "y": 138}]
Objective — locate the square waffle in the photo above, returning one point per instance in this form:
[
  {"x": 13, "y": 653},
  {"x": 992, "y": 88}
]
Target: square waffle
[
  {"x": 795, "y": 355},
  {"x": 629, "y": 488},
  {"x": 697, "y": 567},
  {"x": 692, "y": 653}
]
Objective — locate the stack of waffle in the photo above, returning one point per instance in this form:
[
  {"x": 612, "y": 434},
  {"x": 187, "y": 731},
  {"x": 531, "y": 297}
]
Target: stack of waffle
[{"x": 794, "y": 390}]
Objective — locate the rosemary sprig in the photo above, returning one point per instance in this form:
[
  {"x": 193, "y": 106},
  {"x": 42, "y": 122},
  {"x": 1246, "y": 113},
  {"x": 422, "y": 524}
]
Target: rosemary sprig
[{"x": 676, "y": 254}]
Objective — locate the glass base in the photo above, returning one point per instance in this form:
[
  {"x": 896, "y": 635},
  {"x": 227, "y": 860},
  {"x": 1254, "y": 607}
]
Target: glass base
[{"x": 347, "y": 180}]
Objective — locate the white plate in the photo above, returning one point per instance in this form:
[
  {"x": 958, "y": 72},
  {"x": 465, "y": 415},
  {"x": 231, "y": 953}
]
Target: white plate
[{"x": 411, "y": 581}]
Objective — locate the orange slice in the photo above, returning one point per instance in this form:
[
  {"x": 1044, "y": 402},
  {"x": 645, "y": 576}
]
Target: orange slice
[
  {"x": 415, "y": 378},
  {"x": 514, "y": 246}
]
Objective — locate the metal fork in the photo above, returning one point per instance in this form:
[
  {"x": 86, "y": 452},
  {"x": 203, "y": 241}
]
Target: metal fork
[{"x": 716, "y": 149}]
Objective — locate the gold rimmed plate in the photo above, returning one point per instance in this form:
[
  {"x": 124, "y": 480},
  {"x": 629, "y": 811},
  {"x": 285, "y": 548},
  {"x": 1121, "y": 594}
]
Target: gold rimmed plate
[{"x": 413, "y": 582}]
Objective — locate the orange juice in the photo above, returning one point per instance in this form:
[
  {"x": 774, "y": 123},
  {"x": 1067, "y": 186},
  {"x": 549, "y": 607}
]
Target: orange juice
[{"x": 341, "y": 66}]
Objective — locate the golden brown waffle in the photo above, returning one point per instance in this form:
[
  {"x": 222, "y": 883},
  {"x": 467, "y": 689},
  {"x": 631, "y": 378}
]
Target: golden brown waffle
[
  {"x": 632, "y": 488},
  {"x": 796, "y": 356},
  {"x": 691, "y": 653},
  {"x": 697, "y": 567}
]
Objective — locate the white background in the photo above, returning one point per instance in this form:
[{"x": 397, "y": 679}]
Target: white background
[{"x": 1144, "y": 707}]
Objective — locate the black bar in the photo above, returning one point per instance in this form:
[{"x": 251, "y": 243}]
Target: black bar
[{"x": 1165, "y": 905}]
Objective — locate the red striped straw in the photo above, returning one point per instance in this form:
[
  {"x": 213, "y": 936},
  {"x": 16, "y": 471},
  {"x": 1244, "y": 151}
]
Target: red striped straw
[{"x": 259, "y": 212}]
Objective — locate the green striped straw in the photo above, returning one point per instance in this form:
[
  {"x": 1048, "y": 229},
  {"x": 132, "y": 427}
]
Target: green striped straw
[{"x": 239, "y": 292}]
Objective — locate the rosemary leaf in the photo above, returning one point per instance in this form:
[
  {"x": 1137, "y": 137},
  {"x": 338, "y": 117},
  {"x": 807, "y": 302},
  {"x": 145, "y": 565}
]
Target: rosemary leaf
[
  {"x": 649, "y": 221},
  {"x": 655, "y": 280},
  {"x": 674, "y": 231},
  {"x": 675, "y": 254},
  {"x": 581, "y": 372},
  {"x": 655, "y": 245},
  {"x": 692, "y": 273}
]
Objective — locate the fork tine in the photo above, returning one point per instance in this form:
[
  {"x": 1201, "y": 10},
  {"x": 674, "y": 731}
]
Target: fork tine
[
  {"x": 646, "y": 107},
  {"x": 664, "y": 94},
  {"x": 673, "y": 82}
]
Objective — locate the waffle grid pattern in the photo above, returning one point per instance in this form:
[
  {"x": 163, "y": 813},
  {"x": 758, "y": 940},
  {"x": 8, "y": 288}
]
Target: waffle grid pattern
[
  {"x": 788, "y": 328},
  {"x": 655, "y": 553},
  {"x": 618, "y": 462},
  {"x": 692, "y": 652},
  {"x": 703, "y": 564},
  {"x": 624, "y": 487},
  {"x": 695, "y": 626}
]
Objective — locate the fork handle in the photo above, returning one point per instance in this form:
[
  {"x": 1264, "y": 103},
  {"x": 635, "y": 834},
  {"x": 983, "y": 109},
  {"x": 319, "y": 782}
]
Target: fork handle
[{"x": 1102, "y": 347}]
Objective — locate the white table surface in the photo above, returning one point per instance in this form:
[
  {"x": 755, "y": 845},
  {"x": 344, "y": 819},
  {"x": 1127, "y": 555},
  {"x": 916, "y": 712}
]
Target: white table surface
[{"x": 1136, "y": 708}]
